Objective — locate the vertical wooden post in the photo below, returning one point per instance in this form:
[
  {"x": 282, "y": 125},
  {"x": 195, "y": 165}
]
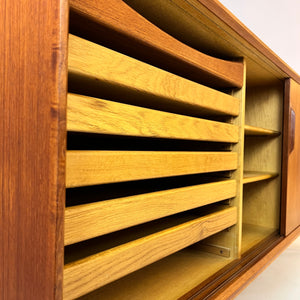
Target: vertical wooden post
[{"x": 33, "y": 52}]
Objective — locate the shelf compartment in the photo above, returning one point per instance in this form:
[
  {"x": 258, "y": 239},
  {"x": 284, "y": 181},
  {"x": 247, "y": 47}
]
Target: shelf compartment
[
  {"x": 253, "y": 176},
  {"x": 98, "y": 167},
  {"x": 91, "y": 115},
  {"x": 94, "y": 219},
  {"x": 187, "y": 268},
  {"x": 92, "y": 272},
  {"x": 97, "y": 69},
  {"x": 258, "y": 131},
  {"x": 254, "y": 234},
  {"x": 149, "y": 43}
]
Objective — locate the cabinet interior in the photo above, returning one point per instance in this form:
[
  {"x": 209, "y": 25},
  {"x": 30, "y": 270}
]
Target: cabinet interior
[{"x": 240, "y": 188}]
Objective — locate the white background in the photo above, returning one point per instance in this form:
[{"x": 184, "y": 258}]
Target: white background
[{"x": 275, "y": 22}]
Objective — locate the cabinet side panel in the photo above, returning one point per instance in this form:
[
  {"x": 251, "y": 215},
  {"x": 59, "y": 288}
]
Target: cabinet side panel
[
  {"x": 33, "y": 39},
  {"x": 291, "y": 161}
]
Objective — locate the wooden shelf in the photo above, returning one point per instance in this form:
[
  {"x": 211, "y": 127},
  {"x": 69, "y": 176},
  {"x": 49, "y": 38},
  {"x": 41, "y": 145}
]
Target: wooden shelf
[
  {"x": 93, "y": 115},
  {"x": 257, "y": 131},
  {"x": 87, "y": 221},
  {"x": 187, "y": 268},
  {"x": 129, "y": 32},
  {"x": 120, "y": 74},
  {"x": 99, "y": 167},
  {"x": 251, "y": 176},
  {"x": 253, "y": 234},
  {"x": 91, "y": 272}
]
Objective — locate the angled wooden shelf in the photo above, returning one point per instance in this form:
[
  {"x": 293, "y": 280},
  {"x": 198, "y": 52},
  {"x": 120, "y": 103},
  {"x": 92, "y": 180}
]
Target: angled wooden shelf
[
  {"x": 257, "y": 131},
  {"x": 181, "y": 267},
  {"x": 87, "y": 221},
  {"x": 93, "y": 115},
  {"x": 119, "y": 23},
  {"x": 252, "y": 176},
  {"x": 99, "y": 167},
  {"x": 120, "y": 74},
  {"x": 86, "y": 274}
]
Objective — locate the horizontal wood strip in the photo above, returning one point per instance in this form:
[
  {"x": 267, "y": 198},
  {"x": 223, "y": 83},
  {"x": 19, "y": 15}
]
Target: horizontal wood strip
[
  {"x": 90, "y": 273},
  {"x": 98, "y": 167},
  {"x": 86, "y": 114},
  {"x": 100, "y": 64},
  {"x": 90, "y": 220},
  {"x": 118, "y": 22},
  {"x": 250, "y": 176},
  {"x": 252, "y": 130}
]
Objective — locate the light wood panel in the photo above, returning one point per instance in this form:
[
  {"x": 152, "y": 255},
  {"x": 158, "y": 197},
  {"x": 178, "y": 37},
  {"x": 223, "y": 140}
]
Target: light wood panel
[
  {"x": 253, "y": 234},
  {"x": 98, "y": 167},
  {"x": 252, "y": 130},
  {"x": 115, "y": 70},
  {"x": 86, "y": 114},
  {"x": 95, "y": 271},
  {"x": 251, "y": 176},
  {"x": 264, "y": 106},
  {"x": 261, "y": 205},
  {"x": 127, "y": 30},
  {"x": 89, "y": 220}
]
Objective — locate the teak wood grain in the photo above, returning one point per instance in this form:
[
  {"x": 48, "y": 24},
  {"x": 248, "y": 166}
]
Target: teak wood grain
[
  {"x": 33, "y": 39},
  {"x": 139, "y": 37},
  {"x": 290, "y": 209},
  {"x": 104, "y": 66},
  {"x": 98, "y": 167},
  {"x": 86, "y": 114},
  {"x": 90, "y": 220},
  {"x": 83, "y": 276}
]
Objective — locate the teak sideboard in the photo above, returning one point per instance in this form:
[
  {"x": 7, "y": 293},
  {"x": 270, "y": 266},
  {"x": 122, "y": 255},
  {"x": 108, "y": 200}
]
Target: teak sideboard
[{"x": 149, "y": 150}]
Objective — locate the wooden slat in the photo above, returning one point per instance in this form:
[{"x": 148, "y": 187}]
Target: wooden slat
[
  {"x": 112, "y": 69},
  {"x": 85, "y": 275},
  {"x": 252, "y": 130},
  {"x": 98, "y": 167},
  {"x": 86, "y": 114},
  {"x": 128, "y": 31},
  {"x": 90, "y": 220},
  {"x": 250, "y": 176}
]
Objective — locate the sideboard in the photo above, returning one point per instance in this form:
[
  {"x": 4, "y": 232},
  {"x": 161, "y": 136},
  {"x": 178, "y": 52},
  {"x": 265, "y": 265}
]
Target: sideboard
[{"x": 150, "y": 150}]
